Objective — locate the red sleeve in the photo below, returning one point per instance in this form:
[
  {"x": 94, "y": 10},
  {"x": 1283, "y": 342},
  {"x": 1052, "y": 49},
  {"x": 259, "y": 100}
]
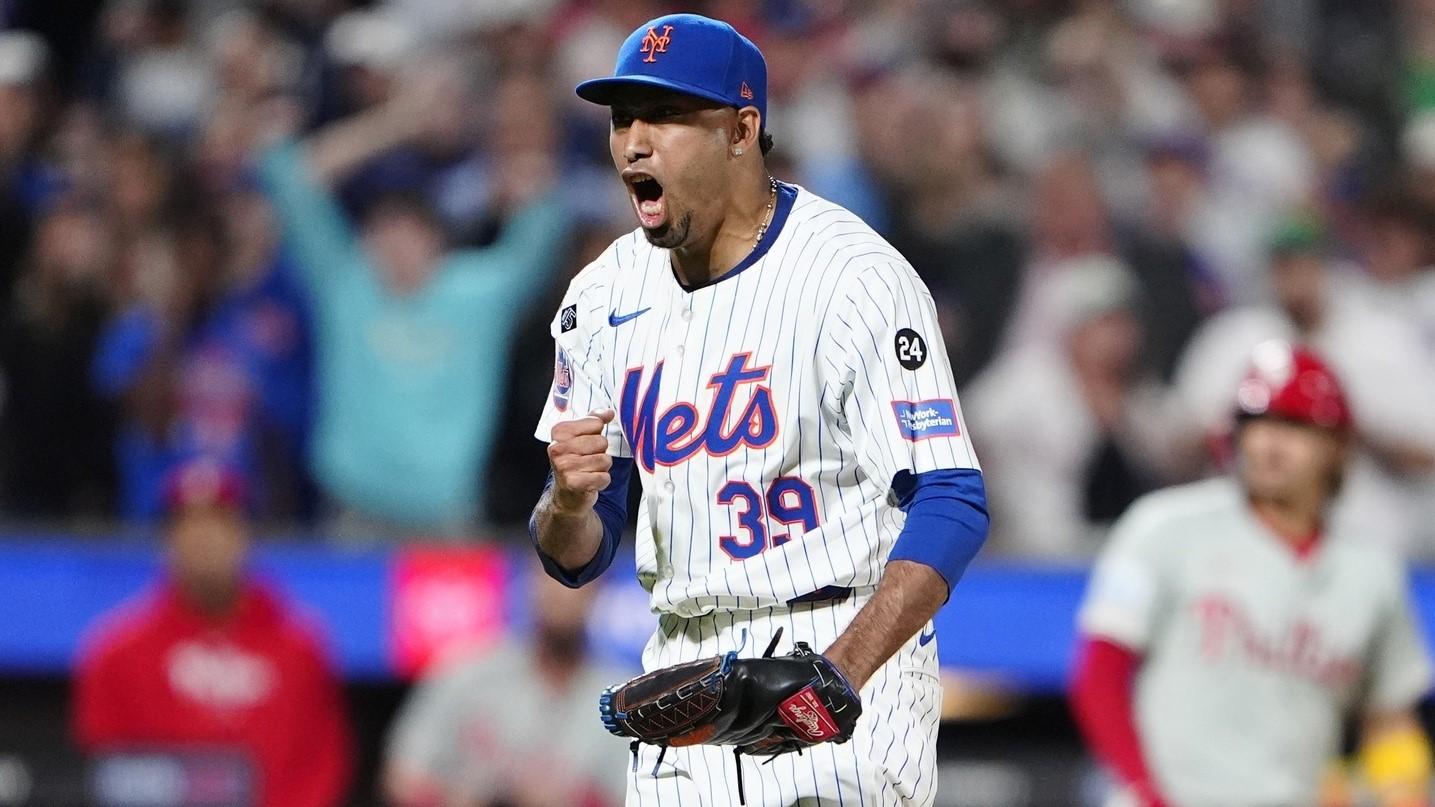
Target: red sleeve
[
  {"x": 96, "y": 719},
  {"x": 327, "y": 747},
  {"x": 1101, "y": 703}
]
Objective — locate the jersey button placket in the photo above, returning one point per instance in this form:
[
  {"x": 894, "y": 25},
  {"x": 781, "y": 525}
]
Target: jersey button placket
[{"x": 687, "y": 317}]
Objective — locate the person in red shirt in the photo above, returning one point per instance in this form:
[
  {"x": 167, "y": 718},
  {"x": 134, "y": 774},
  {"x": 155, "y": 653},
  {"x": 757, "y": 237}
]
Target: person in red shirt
[{"x": 211, "y": 662}]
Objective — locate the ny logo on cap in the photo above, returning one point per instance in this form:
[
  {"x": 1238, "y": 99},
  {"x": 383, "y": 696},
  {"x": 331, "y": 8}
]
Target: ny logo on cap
[{"x": 653, "y": 44}]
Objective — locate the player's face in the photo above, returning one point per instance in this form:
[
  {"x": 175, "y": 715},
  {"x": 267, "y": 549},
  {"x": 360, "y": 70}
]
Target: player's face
[
  {"x": 671, "y": 150},
  {"x": 1284, "y": 461},
  {"x": 207, "y": 551}
]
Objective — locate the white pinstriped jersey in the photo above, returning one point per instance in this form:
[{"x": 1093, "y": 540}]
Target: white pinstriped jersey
[{"x": 767, "y": 412}]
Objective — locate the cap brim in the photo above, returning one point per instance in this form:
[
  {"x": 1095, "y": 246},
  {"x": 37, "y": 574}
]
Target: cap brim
[{"x": 602, "y": 90}]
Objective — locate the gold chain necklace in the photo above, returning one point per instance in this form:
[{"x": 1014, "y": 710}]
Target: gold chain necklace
[{"x": 766, "y": 217}]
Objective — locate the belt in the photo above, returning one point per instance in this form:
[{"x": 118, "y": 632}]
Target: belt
[{"x": 832, "y": 594}]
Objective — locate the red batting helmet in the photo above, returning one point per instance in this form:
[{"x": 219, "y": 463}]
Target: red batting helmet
[{"x": 1292, "y": 382}]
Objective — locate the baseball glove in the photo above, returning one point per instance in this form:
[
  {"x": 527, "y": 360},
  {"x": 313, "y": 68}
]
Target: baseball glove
[{"x": 763, "y": 706}]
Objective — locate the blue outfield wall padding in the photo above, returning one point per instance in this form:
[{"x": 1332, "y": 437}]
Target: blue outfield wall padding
[{"x": 1011, "y": 622}]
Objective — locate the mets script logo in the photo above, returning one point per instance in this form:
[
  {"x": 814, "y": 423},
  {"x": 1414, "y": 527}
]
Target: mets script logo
[
  {"x": 680, "y": 431},
  {"x": 653, "y": 44}
]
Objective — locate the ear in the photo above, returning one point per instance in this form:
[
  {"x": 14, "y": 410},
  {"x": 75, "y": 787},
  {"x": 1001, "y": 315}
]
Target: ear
[{"x": 749, "y": 127}]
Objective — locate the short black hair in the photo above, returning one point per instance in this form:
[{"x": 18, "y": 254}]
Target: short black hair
[{"x": 764, "y": 142}]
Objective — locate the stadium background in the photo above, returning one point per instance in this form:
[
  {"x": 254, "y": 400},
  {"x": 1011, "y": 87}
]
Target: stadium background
[{"x": 1102, "y": 196}]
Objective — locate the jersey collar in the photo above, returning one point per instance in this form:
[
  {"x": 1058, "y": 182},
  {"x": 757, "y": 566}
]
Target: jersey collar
[
  {"x": 1302, "y": 547},
  {"x": 786, "y": 195}
]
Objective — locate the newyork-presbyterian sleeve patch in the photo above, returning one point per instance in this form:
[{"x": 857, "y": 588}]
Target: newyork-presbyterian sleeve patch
[{"x": 920, "y": 420}]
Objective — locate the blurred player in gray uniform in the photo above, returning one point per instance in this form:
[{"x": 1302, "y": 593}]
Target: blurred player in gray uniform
[{"x": 1228, "y": 635}]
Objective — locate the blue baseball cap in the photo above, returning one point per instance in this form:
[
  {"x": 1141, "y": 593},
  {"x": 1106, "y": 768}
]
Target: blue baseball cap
[{"x": 691, "y": 54}]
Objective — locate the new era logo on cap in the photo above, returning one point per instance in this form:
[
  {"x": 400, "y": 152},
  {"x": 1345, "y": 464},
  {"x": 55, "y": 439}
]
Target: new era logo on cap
[{"x": 691, "y": 54}]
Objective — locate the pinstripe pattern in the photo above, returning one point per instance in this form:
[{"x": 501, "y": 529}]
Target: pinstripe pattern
[
  {"x": 890, "y": 762},
  {"x": 818, "y": 313}
]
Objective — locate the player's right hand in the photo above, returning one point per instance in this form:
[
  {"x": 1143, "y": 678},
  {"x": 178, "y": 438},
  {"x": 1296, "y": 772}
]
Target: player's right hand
[{"x": 578, "y": 454}]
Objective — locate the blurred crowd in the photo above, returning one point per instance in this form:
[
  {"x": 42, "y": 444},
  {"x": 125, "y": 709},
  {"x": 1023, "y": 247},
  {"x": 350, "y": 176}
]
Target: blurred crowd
[{"x": 320, "y": 241}]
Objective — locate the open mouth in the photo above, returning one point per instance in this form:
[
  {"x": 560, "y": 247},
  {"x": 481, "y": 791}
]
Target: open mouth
[{"x": 648, "y": 201}]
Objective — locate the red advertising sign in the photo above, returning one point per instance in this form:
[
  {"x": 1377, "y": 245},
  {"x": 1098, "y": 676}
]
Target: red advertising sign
[{"x": 446, "y": 600}]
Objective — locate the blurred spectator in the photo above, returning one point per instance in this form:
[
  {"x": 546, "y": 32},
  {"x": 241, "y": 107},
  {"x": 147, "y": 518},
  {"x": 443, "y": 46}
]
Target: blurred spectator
[
  {"x": 156, "y": 71},
  {"x": 368, "y": 47},
  {"x": 1397, "y": 247},
  {"x": 1387, "y": 370},
  {"x": 212, "y": 662},
  {"x": 141, "y": 192},
  {"x": 212, "y": 359},
  {"x": 1418, "y": 147},
  {"x": 1258, "y": 165},
  {"x": 250, "y": 60},
  {"x": 810, "y": 103},
  {"x": 1178, "y": 285},
  {"x": 1071, "y": 225},
  {"x": 458, "y": 163},
  {"x": 996, "y": 144},
  {"x": 1111, "y": 95},
  {"x": 1417, "y": 35},
  {"x": 436, "y": 19},
  {"x": 1070, "y": 433},
  {"x": 479, "y": 730},
  {"x": 26, "y": 181},
  {"x": 951, "y": 225},
  {"x": 56, "y": 434},
  {"x": 412, "y": 339}
]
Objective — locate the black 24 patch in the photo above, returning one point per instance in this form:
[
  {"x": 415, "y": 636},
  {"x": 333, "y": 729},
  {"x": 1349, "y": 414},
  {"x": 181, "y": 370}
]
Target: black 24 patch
[{"x": 911, "y": 349}]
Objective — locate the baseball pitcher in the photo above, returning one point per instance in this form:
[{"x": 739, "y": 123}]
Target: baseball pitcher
[{"x": 773, "y": 372}]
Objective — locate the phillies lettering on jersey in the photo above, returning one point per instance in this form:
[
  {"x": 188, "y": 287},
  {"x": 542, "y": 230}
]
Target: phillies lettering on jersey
[
  {"x": 1298, "y": 650},
  {"x": 767, "y": 412}
]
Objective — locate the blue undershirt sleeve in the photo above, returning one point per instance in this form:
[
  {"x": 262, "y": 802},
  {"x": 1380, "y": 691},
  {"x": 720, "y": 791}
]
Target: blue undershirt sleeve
[
  {"x": 612, "y": 510},
  {"x": 946, "y": 519}
]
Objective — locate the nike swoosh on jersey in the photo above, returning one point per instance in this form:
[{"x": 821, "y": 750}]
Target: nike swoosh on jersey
[
  {"x": 615, "y": 319},
  {"x": 926, "y": 638}
]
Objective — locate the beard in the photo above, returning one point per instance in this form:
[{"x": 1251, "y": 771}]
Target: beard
[
  {"x": 565, "y": 647},
  {"x": 672, "y": 234}
]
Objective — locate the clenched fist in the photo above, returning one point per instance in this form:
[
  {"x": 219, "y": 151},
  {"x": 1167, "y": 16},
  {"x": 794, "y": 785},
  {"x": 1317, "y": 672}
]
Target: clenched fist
[{"x": 578, "y": 453}]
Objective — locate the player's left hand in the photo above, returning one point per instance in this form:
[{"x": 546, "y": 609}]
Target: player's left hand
[{"x": 764, "y": 706}]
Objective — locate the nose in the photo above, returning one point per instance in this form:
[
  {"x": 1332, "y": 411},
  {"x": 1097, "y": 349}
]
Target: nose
[{"x": 637, "y": 143}]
